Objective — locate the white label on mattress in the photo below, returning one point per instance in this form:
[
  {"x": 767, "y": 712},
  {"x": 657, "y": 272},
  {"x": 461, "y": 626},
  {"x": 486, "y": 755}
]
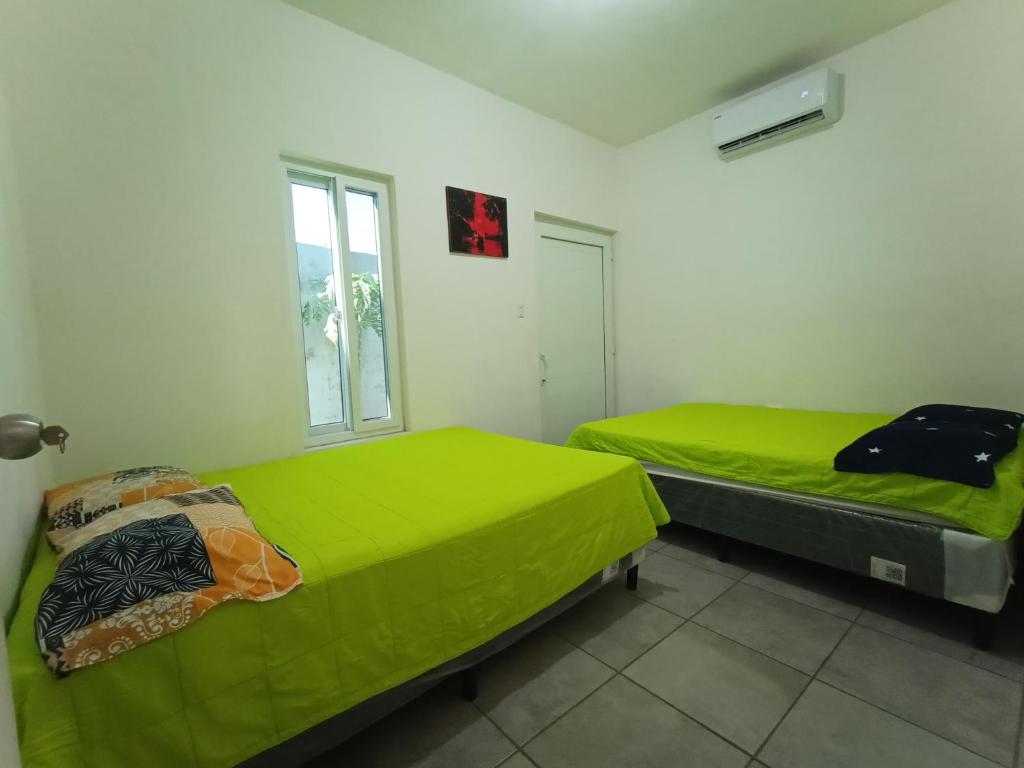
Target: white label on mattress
[
  {"x": 887, "y": 570},
  {"x": 610, "y": 572}
]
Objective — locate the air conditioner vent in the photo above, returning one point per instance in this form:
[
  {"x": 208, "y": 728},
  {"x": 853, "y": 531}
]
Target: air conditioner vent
[
  {"x": 772, "y": 131},
  {"x": 804, "y": 102}
]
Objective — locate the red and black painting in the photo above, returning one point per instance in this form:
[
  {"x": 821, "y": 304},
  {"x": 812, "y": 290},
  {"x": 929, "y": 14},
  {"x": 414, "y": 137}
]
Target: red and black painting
[{"x": 477, "y": 223}]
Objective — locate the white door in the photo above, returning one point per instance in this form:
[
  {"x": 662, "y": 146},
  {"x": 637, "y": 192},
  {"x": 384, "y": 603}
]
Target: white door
[{"x": 575, "y": 330}]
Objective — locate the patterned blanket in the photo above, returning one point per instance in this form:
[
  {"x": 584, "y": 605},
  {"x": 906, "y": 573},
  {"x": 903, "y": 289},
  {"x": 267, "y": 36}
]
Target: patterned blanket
[{"x": 140, "y": 572}]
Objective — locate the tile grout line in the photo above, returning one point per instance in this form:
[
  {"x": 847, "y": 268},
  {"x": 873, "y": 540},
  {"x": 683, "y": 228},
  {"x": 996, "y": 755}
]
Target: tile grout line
[
  {"x": 550, "y": 725},
  {"x": 522, "y": 754},
  {"x": 692, "y": 620},
  {"x": 621, "y": 673},
  {"x": 1018, "y": 680},
  {"x": 852, "y": 622},
  {"x": 521, "y": 747},
  {"x": 883, "y": 709},
  {"x": 743, "y": 580},
  {"x": 920, "y": 727},
  {"x": 792, "y": 706},
  {"x": 615, "y": 673},
  {"x": 701, "y": 565},
  {"x": 856, "y": 621},
  {"x": 500, "y": 730},
  {"x": 746, "y": 571},
  {"x": 803, "y": 672},
  {"x": 861, "y": 609},
  {"x": 1020, "y": 726},
  {"x": 691, "y": 718},
  {"x": 977, "y": 667},
  {"x": 811, "y": 677},
  {"x": 712, "y": 601}
]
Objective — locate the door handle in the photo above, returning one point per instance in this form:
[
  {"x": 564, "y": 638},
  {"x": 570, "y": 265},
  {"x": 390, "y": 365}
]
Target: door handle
[{"x": 543, "y": 369}]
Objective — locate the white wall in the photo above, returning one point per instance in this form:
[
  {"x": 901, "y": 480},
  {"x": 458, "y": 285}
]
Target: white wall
[
  {"x": 21, "y": 482},
  {"x": 873, "y": 265},
  {"x": 148, "y": 136}
]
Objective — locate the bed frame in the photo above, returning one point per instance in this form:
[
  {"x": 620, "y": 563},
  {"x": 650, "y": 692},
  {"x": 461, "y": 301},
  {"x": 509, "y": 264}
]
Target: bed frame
[
  {"x": 848, "y": 536},
  {"x": 330, "y": 733}
]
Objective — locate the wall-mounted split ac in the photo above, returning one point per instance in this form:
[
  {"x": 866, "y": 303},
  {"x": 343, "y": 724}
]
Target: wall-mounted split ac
[{"x": 781, "y": 110}]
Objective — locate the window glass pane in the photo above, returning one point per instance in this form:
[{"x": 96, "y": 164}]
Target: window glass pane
[
  {"x": 321, "y": 333},
  {"x": 364, "y": 239},
  {"x": 362, "y": 222}
]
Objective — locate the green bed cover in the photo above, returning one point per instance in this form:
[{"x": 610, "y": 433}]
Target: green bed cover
[
  {"x": 794, "y": 450},
  {"x": 415, "y": 550}
]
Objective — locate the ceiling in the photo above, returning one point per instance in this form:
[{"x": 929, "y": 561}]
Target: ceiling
[{"x": 618, "y": 69}]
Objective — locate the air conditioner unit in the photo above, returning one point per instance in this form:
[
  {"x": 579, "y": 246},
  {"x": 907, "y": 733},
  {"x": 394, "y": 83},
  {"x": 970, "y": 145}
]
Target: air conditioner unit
[{"x": 806, "y": 101}]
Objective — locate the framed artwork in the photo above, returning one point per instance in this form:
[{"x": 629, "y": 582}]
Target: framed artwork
[{"x": 477, "y": 223}]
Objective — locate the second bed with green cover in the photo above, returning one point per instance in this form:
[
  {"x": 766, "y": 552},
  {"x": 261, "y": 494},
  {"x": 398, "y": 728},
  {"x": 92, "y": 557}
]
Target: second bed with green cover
[
  {"x": 794, "y": 450},
  {"x": 414, "y": 551}
]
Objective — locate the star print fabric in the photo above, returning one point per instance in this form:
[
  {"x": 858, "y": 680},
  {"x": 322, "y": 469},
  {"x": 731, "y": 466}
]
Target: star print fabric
[
  {"x": 1002, "y": 421},
  {"x": 944, "y": 442}
]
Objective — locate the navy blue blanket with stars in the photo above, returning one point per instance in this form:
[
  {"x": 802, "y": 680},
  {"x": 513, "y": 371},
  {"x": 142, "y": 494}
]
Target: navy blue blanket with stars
[{"x": 943, "y": 442}]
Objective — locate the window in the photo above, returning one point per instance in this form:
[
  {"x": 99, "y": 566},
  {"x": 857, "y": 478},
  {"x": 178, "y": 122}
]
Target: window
[{"x": 341, "y": 237}]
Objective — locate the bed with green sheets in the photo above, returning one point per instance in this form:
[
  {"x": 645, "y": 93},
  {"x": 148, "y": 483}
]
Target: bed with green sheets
[
  {"x": 794, "y": 450},
  {"x": 766, "y": 475},
  {"x": 414, "y": 551}
]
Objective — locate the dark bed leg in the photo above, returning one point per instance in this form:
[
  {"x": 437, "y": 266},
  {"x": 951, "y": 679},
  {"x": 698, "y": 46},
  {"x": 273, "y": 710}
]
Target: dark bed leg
[
  {"x": 723, "y": 548},
  {"x": 984, "y": 629},
  {"x": 468, "y": 682},
  {"x": 633, "y": 578}
]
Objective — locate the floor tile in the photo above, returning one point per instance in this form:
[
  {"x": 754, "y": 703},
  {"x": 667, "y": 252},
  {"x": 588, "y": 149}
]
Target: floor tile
[
  {"x": 624, "y": 725},
  {"x": 830, "y": 728},
  {"x": 654, "y": 546},
  {"x": 793, "y": 633},
  {"x": 821, "y": 587},
  {"x": 699, "y": 548},
  {"x": 438, "y": 730},
  {"x": 967, "y": 705},
  {"x": 678, "y": 586},
  {"x": 733, "y": 690},
  {"x": 615, "y": 626},
  {"x": 947, "y": 628},
  {"x": 535, "y": 681},
  {"x": 518, "y": 760}
]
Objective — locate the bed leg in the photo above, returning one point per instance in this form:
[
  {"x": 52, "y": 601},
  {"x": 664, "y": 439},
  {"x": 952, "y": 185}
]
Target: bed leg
[
  {"x": 984, "y": 630},
  {"x": 633, "y": 578},
  {"x": 469, "y": 684},
  {"x": 723, "y": 548}
]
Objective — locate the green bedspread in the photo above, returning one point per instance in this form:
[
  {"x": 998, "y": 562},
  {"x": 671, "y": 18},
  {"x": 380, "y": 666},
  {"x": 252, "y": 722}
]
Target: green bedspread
[
  {"x": 794, "y": 450},
  {"x": 414, "y": 550}
]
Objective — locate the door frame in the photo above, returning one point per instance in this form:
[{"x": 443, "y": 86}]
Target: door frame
[{"x": 546, "y": 230}]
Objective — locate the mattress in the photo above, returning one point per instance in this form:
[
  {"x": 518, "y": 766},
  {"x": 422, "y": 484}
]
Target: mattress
[
  {"x": 793, "y": 450},
  {"x": 909, "y": 549},
  {"x": 865, "y": 507},
  {"x": 414, "y": 550}
]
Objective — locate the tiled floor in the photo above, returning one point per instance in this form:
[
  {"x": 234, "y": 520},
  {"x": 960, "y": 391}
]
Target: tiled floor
[{"x": 764, "y": 661}]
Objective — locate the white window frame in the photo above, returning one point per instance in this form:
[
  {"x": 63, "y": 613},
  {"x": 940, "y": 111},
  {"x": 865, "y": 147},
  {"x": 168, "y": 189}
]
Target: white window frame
[{"x": 354, "y": 426}]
